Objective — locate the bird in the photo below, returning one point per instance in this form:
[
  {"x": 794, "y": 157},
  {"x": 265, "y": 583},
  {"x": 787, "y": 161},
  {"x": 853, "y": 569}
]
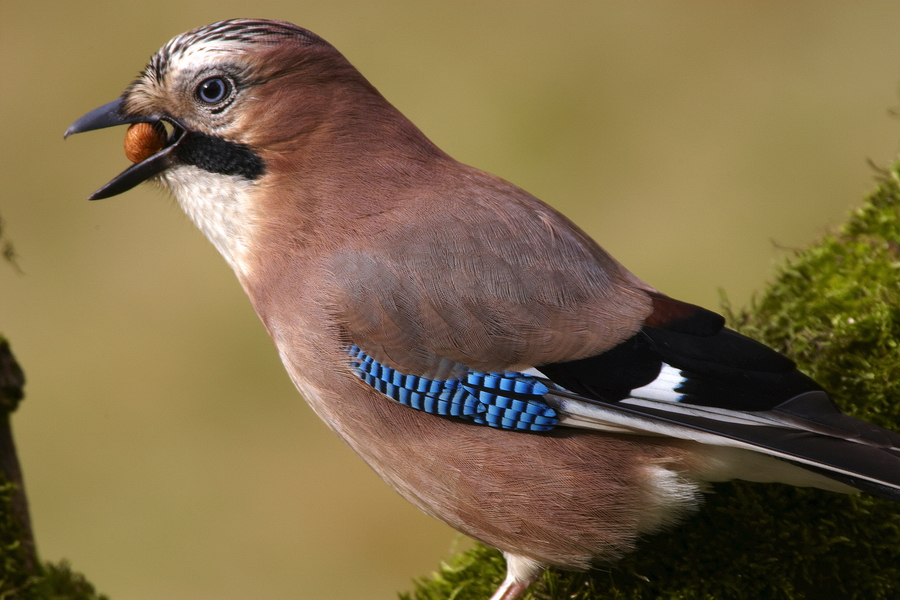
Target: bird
[{"x": 483, "y": 354}]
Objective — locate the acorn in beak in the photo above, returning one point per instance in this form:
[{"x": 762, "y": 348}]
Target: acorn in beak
[{"x": 147, "y": 144}]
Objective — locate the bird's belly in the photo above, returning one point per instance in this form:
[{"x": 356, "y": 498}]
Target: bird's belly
[{"x": 568, "y": 498}]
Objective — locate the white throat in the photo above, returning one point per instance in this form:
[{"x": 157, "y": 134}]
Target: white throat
[{"x": 219, "y": 205}]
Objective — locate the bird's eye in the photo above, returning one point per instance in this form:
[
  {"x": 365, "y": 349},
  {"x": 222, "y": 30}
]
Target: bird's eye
[{"x": 213, "y": 90}]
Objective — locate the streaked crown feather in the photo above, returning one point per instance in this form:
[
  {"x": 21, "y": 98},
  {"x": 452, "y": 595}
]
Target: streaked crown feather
[{"x": 233, "y": 35}]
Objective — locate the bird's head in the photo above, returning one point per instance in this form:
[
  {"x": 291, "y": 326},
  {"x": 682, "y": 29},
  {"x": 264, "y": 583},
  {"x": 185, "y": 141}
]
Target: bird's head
[
  {"x": 219, "y": 97},
  {"x": 244, "y": 112}
]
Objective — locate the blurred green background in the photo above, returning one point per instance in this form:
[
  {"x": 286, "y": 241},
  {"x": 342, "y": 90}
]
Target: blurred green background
[{"x": 165, "y": 451}]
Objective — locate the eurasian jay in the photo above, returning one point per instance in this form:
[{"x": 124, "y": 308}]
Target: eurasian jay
[{"x": 477, "y": 349}]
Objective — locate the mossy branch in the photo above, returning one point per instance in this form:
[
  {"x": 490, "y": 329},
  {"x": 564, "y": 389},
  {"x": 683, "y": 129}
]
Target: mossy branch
[
  {"x": 835, "y": 309},
  {"x": 22, "y": 576}
]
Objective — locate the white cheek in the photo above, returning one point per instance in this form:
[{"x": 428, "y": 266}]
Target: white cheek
[{"x": 219, "y": 205}]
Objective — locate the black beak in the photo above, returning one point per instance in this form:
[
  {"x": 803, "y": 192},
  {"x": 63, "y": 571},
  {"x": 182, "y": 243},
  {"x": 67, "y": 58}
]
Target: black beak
[{"x": 110, "y": 115}]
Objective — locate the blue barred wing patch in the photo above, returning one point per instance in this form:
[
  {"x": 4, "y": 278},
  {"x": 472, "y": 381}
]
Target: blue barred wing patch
[{"x": 504, "y": 400}]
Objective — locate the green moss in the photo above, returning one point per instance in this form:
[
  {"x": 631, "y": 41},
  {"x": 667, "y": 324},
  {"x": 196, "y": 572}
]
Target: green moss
[
  {"x": 14, "y": 556},
  {"x": 472, "y": 574},
  {"x": 19, "y": 579},
  {"x": 835, "y": 309},
  {"x": 22, "y": 577},
  {"x": 59, "y": 582}
]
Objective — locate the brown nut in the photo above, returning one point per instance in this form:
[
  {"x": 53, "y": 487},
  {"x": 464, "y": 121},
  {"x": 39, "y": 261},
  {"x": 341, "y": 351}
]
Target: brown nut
[{"x": 143, "y": 140}]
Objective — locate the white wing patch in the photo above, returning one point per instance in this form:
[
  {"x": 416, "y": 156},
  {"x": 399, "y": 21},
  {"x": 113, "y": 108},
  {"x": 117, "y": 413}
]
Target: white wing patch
[{"x": 663, "y": 387}]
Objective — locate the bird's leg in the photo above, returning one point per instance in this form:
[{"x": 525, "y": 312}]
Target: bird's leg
[{"x": 521, "y": 572}]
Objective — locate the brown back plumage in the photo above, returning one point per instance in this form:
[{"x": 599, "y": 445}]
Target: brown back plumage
[{"x": 430, "y": 263}]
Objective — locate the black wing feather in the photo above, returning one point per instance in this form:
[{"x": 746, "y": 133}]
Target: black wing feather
[
  {"x": 724, "y": 370},
  {"x": 721, "y": 369}
]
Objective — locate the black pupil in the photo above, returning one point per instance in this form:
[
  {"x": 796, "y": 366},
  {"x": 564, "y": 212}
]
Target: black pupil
[{"x": 212, "y": 90}]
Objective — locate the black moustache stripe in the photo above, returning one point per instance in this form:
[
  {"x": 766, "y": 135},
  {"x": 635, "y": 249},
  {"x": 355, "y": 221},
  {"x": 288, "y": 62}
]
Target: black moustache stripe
[{"x": 220, "y": 156}]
